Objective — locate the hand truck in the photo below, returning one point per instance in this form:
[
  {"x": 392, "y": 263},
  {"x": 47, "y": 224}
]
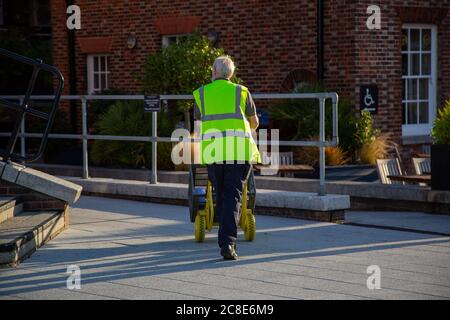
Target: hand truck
[{"x": 202, "y": 204}]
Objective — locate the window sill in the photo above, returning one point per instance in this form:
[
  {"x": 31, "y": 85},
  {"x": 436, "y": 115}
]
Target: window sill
[{"x": 418, "y": 139}]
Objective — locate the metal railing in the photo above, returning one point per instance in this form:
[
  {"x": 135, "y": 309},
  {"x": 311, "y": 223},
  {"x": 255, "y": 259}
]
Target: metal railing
[
  {"x": 24, "y": 107},
  {"x": 154, "y": 139}
]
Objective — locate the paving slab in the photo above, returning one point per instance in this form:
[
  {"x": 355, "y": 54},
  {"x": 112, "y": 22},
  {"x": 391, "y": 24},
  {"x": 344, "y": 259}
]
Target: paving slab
[{"x": 138, "y": 250}]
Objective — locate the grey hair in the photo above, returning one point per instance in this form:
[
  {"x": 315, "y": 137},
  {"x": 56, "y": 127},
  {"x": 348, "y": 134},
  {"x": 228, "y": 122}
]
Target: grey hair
[{"x": 224, "y": 67}]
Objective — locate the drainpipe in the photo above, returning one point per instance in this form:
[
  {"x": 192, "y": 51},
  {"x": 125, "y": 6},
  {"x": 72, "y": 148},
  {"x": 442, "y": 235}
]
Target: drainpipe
[
  {"x": 72, "y": 73},
  {"x": 320, "y": 41}
]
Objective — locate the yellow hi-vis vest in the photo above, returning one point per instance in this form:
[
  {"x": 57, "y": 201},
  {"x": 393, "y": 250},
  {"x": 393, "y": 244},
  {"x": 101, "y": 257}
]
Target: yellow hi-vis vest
[{"x": 225, "y": 130}]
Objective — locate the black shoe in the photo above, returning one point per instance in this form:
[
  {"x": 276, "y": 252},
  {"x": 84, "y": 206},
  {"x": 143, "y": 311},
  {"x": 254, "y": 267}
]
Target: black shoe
[{"x": 228, "y": 252}]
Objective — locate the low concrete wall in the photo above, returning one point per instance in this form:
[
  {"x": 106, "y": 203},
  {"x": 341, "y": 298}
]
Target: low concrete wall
[
  {"x": 122, "y": 174},
  {"x": 370, "y": 196},
  {"x": 357, "y": 189},
  {"x": 298, "y": 204}
]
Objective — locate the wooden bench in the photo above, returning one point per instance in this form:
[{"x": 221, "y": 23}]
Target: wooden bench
[
  {"x": 415, "y": 178},
  {"x": 288, "y": 168}
]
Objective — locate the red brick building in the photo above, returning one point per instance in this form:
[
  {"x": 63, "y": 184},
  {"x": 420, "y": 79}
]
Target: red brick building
[{"x": 277, "y": 44}]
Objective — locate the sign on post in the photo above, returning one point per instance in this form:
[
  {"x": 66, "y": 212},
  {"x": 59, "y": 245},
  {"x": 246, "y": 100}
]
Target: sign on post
[
  {"x": 369, "y": 98},
  {"x": 152, "y": 103}
]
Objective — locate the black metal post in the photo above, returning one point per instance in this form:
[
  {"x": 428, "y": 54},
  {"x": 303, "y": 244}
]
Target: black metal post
[{"x": 320, "y": 40}]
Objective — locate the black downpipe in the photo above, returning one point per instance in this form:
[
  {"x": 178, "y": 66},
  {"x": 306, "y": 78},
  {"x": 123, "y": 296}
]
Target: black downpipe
[
  {"x": 72, "y": 74},
  {"x": 320, "y": 41}
]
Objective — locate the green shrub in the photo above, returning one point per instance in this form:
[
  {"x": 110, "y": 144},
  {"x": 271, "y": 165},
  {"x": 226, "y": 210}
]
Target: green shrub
[
  {"x": 299, "y": 119},
  {"x": 441, "y": 127},
  {"x": 334, "y": 156},
  {"x": 98, "y": 107},
  {"x": 127, "y": 118},
  {"x": 364, "y": 130},
  {"x": 376, "y": 148},
  {"x": 372, "y": 144}
]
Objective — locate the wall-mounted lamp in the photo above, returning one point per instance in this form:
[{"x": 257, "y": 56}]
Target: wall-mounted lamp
[
  {"x": 131, "y": 41},
  {"x": 214, "y": 37}
]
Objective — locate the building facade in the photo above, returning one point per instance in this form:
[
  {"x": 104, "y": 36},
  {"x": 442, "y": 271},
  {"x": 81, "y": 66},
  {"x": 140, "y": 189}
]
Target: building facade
[{"x": 277, "y": 45}]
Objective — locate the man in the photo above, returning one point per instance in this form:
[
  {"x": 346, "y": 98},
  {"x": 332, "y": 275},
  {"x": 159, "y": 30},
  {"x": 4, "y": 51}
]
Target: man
[{"x": 227, "y": 115}]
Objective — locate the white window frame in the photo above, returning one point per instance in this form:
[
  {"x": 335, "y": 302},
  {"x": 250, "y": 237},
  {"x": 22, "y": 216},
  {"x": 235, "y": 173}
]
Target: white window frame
[
  {"x": 34, "y": 16},
  {"x": 2, "y": 21},
  {"x": 166, "y": 38},
  {"x": 91, "y": 72},
  {"x": 425, "y": 128}
]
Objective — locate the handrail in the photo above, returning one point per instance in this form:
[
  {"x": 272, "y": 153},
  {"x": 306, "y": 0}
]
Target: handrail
[
  {"x": 23, "y": 108},
  {"x": 154, "y": 139}
]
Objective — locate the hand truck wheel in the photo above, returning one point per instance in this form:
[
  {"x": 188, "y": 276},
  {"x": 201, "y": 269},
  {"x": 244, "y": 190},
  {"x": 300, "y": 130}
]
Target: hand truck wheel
[
  {"x": 250, "y": 227},
  {"x": 200, "y": 227}
]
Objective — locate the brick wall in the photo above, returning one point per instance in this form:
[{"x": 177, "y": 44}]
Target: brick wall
[
  {"x": 444, "y": 57},
  {"x": 267, "y": 38},
  {"x": 33, "y": 201},
  {"x": 340, "y": 48}
]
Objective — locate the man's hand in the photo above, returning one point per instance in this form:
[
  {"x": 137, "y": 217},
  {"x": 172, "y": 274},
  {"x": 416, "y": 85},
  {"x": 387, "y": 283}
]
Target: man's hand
[{"x": 254, "y": 122}]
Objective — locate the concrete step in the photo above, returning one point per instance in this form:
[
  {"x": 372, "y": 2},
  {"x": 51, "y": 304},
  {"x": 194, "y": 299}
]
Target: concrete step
[
  {"x": 23, "y": 233},
  {"x": 9, "y": 207}
]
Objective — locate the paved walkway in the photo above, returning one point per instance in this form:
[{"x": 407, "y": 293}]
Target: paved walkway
[
  {"x": 136, "y": 250},
  {"x": 422, "y": 222}
]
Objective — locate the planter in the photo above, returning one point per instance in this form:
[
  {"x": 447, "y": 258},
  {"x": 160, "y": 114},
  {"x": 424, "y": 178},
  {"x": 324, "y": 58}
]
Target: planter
[
  {"x": 362, "y": 173},
  {"x": 440, "y": 167},
  {"x": 66, "y": 155}
]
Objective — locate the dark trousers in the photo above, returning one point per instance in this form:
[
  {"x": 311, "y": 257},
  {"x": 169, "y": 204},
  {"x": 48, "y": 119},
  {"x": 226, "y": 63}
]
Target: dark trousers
[{"x": 228, "y": 181}]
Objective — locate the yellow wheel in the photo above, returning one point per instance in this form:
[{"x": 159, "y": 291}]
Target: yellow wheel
[
  {"x": 250, "y": 228},
  {"x": 200, "y": 227}
]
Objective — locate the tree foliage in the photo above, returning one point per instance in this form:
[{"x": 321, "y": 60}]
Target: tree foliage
[
  {"x": 441, "y": 127},
  {"x": 14, "y": 76},
  {"x": 180, "y": 69}
]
